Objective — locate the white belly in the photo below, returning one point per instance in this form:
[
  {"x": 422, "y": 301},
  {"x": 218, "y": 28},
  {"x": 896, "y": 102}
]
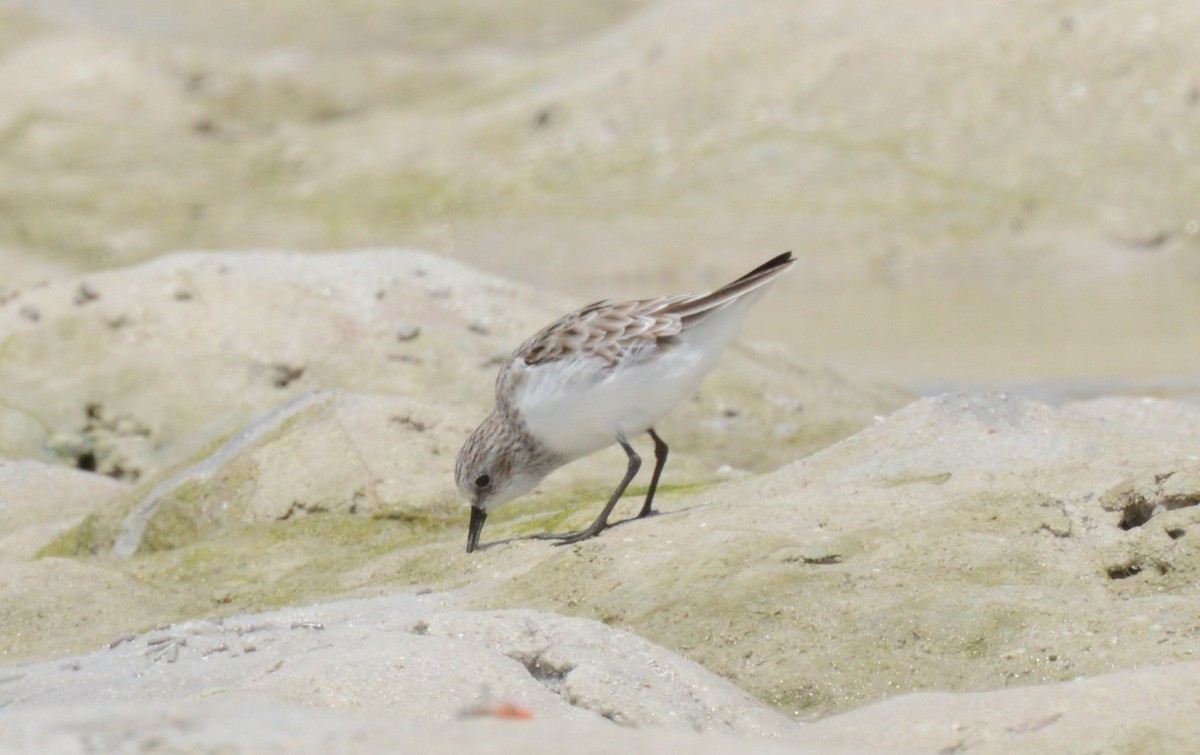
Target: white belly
[
  {"x": 576, "y": 410},
  {"x": 577, "y": 407}
]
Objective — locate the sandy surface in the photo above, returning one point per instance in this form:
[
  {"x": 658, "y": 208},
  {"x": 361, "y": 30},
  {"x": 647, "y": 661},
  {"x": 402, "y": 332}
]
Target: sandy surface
[
  {"x": 227, "y": 516},
  {"x": 825, "y": 545},
  {"x": 989, "y": 195}
]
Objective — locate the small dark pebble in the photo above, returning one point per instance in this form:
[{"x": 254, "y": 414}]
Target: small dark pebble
[
  {"x": 407, "y": 421},
  {"x": 408, "y": 332},
  {"x": 542, "y": 117},
  {"x": 121, "y": 640},
  {"x": 284, "y": 375},
  {"x": 85, "y": 293},
  {"x": 404, "y": 359}
]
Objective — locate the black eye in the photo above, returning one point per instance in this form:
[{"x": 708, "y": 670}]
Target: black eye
[{"x": 482, "y": 481}]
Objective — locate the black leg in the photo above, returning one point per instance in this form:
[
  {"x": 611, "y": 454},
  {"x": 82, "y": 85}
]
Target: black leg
[
  {"x": 635, "y": 462},
  {"x": 660, "y": 461}
]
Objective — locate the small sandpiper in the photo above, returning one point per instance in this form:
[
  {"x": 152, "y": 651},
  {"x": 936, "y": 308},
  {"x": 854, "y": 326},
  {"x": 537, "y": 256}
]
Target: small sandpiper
[{"x": 598, "y": 376}]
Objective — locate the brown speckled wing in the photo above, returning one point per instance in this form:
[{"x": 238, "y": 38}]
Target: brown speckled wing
[
  {"x": 605, "y": 330},
  {"x": 608, "y": 331}
]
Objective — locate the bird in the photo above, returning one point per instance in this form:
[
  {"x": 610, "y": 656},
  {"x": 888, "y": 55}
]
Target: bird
[{"x": 599, "y": 376}]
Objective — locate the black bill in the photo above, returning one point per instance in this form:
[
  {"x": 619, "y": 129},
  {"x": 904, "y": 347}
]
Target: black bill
[{"x": 478, "y": 517}]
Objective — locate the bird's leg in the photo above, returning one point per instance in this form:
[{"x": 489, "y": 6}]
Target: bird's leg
[
  {"x": 660, "y": 461},
  {"x": 635, "y": 462}
]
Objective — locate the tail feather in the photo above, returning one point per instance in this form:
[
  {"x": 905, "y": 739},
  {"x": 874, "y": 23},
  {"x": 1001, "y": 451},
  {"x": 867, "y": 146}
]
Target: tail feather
[{"x": 694, "y": 310}]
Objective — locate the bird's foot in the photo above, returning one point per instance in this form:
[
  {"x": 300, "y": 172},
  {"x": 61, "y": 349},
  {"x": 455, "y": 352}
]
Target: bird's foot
[
  {"x": 575, "y": 537},
  {"x": 566, "y": 538}
]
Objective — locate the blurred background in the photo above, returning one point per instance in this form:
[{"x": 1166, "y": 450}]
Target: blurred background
[{"x": 981, "y": 195}]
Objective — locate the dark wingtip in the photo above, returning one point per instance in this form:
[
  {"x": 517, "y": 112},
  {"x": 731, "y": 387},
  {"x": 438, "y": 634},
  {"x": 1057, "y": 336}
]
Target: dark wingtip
[{"x": 775, "y": 262}]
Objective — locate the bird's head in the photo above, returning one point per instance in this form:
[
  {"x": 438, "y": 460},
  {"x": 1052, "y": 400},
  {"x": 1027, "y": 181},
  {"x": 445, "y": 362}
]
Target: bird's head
[{"x": 498, "y": 463}]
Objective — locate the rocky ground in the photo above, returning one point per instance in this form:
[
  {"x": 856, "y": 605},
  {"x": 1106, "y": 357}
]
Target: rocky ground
[
  {"x": 227, "y": 513},
  {"x": 959, "y": 543}
]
